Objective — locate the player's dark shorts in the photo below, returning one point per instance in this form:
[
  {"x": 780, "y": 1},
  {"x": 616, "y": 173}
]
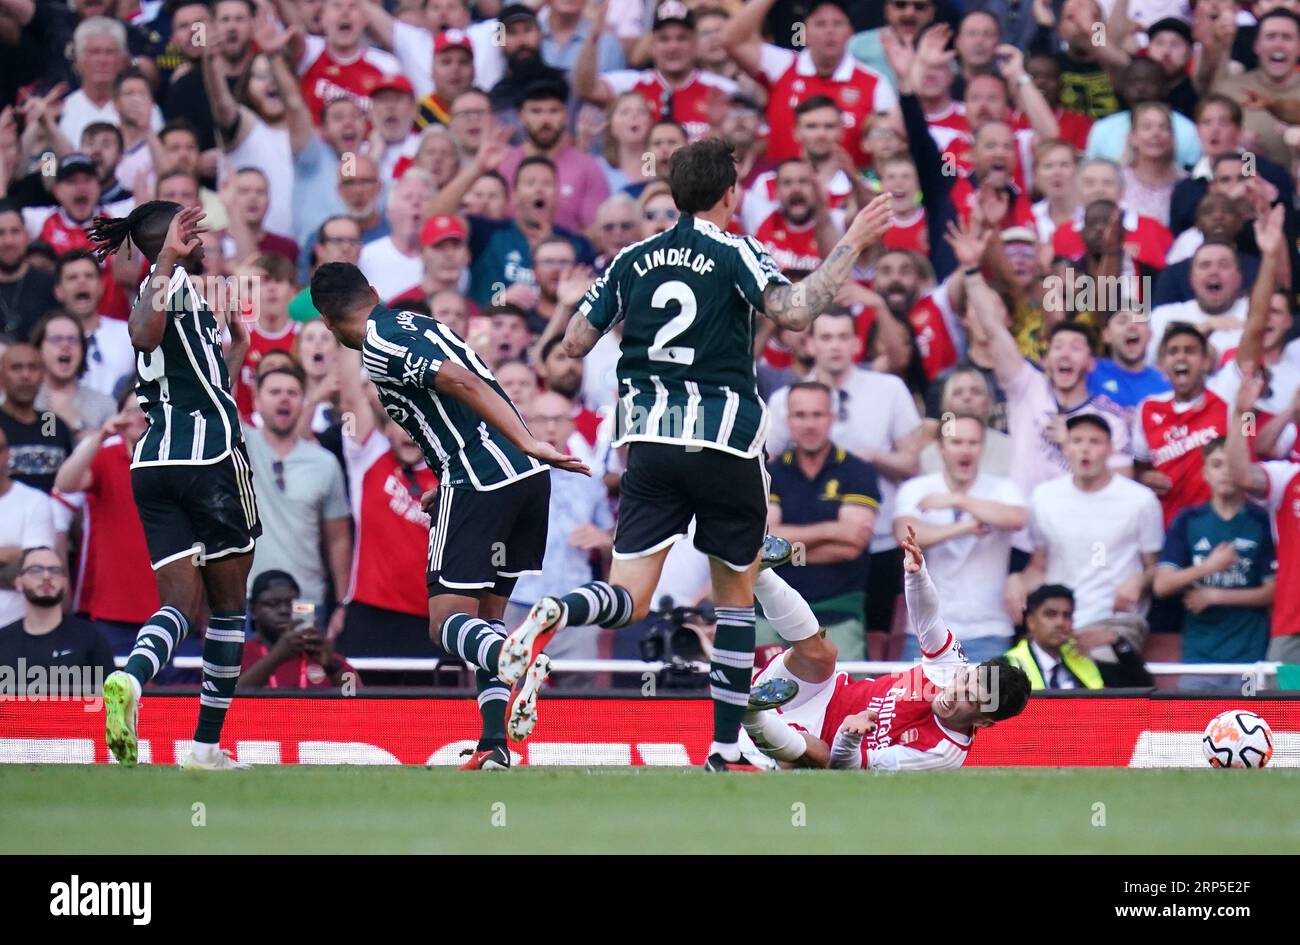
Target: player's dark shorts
[
  {"x": 207, "y": 512},
  {"x": 665, "y": 486},
  {"x": 483, "y": 541}
]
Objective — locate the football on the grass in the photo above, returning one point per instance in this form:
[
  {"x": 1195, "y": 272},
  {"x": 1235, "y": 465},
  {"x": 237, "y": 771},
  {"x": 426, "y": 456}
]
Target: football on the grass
[{"x": 1237, "y": 739}]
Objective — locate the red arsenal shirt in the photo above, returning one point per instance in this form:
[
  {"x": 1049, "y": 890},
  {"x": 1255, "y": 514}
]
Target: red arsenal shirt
[
  {"x": 117, "y": 581},
  {"x": 1170, "y": 436},
  {"x": 793, "y": 247},
  {"x": 1146, "y": 240},
  {"x": 689, "y": 104},
  {"x": 1284, "y": 504},
  {"x": 792, "y": 79},
  {"x": 391, "y": 548},
  {"x": 935, "y": 327},
  {"x": 325, "y": 78},
  {"x": 259, "y": 344}
]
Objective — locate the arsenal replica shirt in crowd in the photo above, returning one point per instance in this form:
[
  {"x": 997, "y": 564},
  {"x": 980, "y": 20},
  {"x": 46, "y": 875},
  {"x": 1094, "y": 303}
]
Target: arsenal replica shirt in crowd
[
  {"x": 325, "y": 78},
  {"x": 792, "y": 79}
]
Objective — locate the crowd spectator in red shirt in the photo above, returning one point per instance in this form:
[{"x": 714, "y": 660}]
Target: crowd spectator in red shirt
[
  {"x": 286, "y": 650},
  {"x": 115, "y": 586}
]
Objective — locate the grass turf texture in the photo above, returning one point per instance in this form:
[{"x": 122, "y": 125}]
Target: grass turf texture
[{"x": 103, "y": 809}]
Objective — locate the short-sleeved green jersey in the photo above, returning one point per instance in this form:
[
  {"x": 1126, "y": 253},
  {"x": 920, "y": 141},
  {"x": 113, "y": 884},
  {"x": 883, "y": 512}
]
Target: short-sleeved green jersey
[
  {"x": 687, "y": 298},
  {"x": 182, "y": 385},
  {"x": 402, "y": 353}
]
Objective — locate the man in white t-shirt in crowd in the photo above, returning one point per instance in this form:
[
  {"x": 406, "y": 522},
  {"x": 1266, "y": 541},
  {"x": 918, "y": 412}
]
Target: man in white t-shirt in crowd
[
  {"x": 875, "y": 420},
  {"x": 79, "y": 287},
  {"x": 1217, "y": 306},
  {"x": 1039, "y": 402},
  {"x": 964, "y": 521},
  {"x": 1095, "y": 532},
  {"x": 99, "y": 55},
  {"x": 393, "y": 263}
]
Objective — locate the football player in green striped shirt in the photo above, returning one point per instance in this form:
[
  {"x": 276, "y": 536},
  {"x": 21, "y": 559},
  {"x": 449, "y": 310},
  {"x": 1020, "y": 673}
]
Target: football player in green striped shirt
[
  {"x": 190, "y": 476},
  {"x": 689, "y": 410},
  {"x": 494, "y": 486}
]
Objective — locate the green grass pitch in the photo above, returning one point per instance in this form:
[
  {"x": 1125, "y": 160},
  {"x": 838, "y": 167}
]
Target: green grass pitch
[{"x": 103, "y": 809}]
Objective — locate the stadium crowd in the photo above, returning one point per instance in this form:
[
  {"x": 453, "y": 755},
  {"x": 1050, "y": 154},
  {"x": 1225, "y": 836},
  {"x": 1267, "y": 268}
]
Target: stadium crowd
[{"x": 1072, "y": 366}]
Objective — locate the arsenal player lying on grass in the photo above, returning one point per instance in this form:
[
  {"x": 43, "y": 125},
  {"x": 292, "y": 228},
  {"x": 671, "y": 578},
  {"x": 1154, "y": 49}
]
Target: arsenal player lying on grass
[{"x": 805, "y": 714}]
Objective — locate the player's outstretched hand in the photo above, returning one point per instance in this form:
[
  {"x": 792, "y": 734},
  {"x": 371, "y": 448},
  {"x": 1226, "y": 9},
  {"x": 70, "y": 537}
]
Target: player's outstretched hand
[
  {"x": 428, "y": 499},
  {"x": 860, "y": 723},
  {"x": 553, "y": 457},
  {"x": 872, "y": 222},
  {"x": 913, "y": 560},
  {"x": 183, "y": 233}
]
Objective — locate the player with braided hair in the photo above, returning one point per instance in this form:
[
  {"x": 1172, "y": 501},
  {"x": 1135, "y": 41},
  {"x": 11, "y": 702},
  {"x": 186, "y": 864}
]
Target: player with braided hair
[{"x": 190, "y": 474}]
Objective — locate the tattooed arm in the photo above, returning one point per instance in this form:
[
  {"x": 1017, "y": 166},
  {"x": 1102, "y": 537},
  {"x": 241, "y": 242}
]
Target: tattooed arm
[{"x": 794, "y": 306}]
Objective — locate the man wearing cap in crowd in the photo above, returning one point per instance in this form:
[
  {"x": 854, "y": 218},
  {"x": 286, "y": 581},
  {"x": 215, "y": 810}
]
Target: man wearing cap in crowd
[
  {"x": 1169, "y": 45},
  {"x": 444, "y": 251},
  {"x": 392, "y": 116},
  {"x": 77, "y": 192},
  {"x": 522, "y": 47},
  {"x": 453, "y": 73},
  {"x": 674, "y": 88}
]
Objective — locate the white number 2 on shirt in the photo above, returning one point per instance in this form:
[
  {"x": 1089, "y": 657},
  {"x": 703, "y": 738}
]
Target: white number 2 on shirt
[{"x": 659, "y": 350}]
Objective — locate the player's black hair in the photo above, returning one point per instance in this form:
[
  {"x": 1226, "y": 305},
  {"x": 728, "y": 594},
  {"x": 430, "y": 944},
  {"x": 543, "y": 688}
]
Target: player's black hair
[
  {"x": 1008, "y": 688},
  {"x": 812, "y": 104},
  {"x": 146, "y": 225},
  {"x": 700, "y": 174},
  {"x": 1045, "y": 592},
  {"x": 338, "y": 287},
  {"x": 1176, "y": 329}
]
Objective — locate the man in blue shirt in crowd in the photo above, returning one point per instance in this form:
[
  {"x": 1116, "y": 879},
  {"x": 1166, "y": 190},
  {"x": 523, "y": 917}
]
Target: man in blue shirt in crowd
[
  {"x": 1125, "y": 378},
  {"x": 1219, "y": 556}
]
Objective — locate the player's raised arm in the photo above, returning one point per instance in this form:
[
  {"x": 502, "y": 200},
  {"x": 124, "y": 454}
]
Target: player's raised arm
[
  {"x": 464, "y": 385},
  {"x": 795, "y": 305},
  {"x": 922, "y": 598},
  {"x": 148, "y": 320}
]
